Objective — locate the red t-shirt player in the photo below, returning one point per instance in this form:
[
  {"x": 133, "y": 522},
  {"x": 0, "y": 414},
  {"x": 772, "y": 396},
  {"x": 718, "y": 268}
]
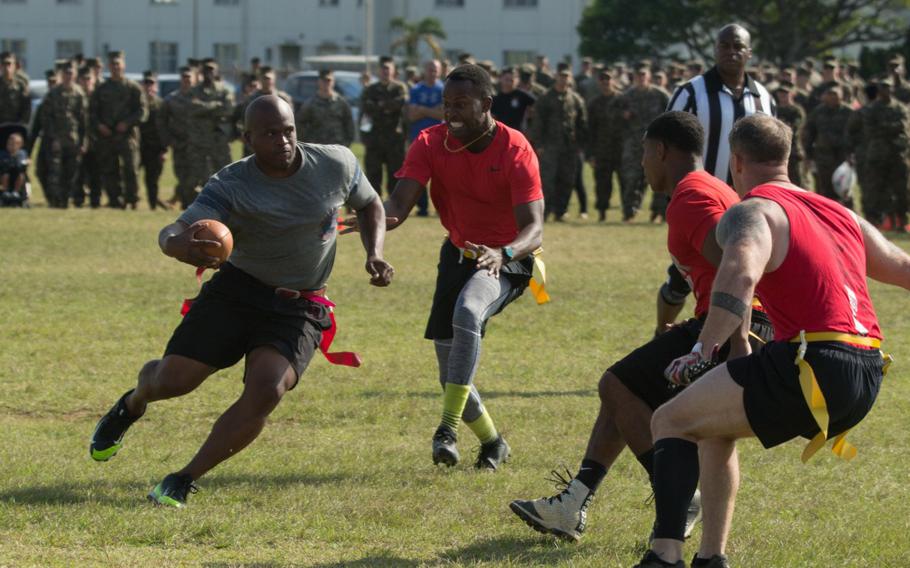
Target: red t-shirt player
[
  {"x": 807, "y": 258},
  {"x": 633, "y": 387},
  {"x": 485, "y": 185}
]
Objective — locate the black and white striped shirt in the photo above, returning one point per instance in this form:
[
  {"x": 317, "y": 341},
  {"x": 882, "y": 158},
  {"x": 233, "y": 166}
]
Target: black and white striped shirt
[{"x": 713, "y": 103}]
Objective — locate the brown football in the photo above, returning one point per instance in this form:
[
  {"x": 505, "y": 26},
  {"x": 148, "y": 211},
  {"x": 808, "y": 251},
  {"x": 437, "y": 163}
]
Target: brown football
[{"x": 211, "y": 230}]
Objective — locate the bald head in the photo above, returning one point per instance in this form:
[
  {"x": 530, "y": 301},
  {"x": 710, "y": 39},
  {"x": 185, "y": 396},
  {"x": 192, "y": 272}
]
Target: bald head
[
  {"x": 266, "y": 107},
  {"x": 733, "y": 50},
  {"x": 731, "y": 31},
  {"x": 270, "y": 131}
]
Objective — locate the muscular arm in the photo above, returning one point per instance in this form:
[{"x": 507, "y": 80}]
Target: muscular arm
[
  {"x": 372, "y": 223},
  {"x": 671, "y": 298},
  {"x": 746, "y": 237},
  {"x": 403, "y": 198},
  {"x": 885, "y": 261},
  {"x": 177, "y": 240},
  {"x": 371, "y": 220},
  {"x": 529, "y": 218}
]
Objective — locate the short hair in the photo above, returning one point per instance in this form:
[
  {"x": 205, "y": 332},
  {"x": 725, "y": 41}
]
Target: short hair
[
  {"x": 761, "y": 138},
  {"x": 383, "y": 59},
  {"x": 507, "y": 69},
  {"x": 678, "y": 129},
  {"x": 265, "y": 69},
  {"x": 325, "y": 73},
  {"x": 476, "y": 75}
]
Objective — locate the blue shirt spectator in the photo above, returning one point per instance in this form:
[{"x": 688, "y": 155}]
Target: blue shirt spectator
[{"x": 425, "y": 101}]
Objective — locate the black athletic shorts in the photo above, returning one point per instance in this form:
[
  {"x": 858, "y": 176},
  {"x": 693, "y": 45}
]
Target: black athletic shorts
[
  {"x": 642, "y": 370},
  {"x": 451, "y": 278},
  {"x": 236, "y": 313},
  {"x": 848, "y": 376}
]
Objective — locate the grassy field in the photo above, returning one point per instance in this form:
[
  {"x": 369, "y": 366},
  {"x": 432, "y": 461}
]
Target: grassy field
[{"x": 342, "y": 475}]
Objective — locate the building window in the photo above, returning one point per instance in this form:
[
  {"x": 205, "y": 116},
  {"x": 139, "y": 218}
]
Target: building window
[
  {"x": 226, "y": 54},
  {"x": 16, "y": 46},
  {"x": 227, "y": 2},
  {"x": 67, "y": 48},
  {"x": 69, "y": 1},
  {"x": 163, "y": 56},
  {"x": 162, "y": 2},
  {"x": 12, "y": 1},
  {"x": 519, "y": 3},
  {"x": 328, "y": 3},
  {"x": 513, "y": 57},
  {"x": 450, "y": 3}
]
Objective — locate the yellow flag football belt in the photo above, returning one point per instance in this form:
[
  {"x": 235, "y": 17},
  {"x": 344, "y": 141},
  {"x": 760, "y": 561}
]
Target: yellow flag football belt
[{"x": 813, "y": 393}]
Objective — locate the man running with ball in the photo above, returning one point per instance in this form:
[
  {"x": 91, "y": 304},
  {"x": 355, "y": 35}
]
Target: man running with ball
[{"x": 267, "y": 303}]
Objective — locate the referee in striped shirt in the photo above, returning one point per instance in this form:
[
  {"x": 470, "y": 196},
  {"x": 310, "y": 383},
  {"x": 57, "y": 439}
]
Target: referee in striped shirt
[{"x": 723, "y": 95}]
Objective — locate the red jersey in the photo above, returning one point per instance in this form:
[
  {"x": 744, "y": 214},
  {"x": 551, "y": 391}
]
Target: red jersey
[
  {"x": 821, "y": 285},
  {"x": 475, "y": 193},
  {"x": 696, "y": 206}
]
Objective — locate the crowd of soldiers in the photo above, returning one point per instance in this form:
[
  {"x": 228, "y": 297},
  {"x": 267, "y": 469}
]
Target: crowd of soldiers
[{"x": 96, "y": 134}]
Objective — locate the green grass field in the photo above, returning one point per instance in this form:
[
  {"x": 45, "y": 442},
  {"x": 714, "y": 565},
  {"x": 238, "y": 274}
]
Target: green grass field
[{"x": 342, "y": 476}]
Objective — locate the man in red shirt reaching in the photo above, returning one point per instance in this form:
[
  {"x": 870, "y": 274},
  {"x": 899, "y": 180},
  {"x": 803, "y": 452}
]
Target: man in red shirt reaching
[
  {"x": 806, "y": 258},
  {"x": 634, "y": 387},
  {"x": 486, "y": 188}
]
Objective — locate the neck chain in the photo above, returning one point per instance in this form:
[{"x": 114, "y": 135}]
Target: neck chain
[{"x": 455, "y": 151}]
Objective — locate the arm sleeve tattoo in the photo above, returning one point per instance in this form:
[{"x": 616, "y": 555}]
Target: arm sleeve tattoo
[{"x": 729, "y": 303}]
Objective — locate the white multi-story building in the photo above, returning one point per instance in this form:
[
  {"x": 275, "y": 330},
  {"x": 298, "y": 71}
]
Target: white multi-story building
[{"x": 162, "y": 34}]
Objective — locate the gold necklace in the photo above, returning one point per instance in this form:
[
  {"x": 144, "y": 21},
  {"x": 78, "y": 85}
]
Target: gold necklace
[{"x": 446, "y": 141}]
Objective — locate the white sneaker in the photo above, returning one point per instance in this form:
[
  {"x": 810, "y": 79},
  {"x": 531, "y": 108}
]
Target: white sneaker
[{"x": 563, "y": 515}]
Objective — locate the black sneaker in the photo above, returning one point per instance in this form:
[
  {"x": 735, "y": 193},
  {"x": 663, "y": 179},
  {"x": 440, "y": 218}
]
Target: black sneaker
[
  {"x": 107, "y": 439},
  {"x": 173, "y": 490},
  {"x": 652, "y": 560},
  {"x": 493, "y": 454},
  {"x": 444, "y": 450},
  {"x": 716, "y": 561}
]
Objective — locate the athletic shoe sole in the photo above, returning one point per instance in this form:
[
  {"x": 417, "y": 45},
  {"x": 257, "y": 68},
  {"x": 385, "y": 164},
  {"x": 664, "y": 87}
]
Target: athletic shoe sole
[
  {"x": 446, "y": 458},
  {"x": 537, "y": 524},
  {"x": 163, "y": 500},
  {"x": 105, "y": 454}
]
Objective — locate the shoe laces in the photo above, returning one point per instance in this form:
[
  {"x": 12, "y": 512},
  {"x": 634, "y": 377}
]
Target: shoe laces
[{"x": 561, "y": 482}]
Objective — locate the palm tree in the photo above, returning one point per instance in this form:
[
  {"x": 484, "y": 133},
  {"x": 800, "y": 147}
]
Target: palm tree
[{"x": 412, "y": 33}]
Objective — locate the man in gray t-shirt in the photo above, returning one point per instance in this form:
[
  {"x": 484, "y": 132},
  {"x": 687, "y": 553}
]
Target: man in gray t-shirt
[{"x": 267, "y": 303}]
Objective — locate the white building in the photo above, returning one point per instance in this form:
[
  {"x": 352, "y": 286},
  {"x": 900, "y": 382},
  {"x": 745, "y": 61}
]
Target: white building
[{"x": 162, "y": 34}]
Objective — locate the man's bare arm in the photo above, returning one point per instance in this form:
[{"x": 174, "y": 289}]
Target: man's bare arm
[
  {"x": 885, "y": 261},
  {"x": 746, "y": 238},
  {"x": 403, "y": 198}
]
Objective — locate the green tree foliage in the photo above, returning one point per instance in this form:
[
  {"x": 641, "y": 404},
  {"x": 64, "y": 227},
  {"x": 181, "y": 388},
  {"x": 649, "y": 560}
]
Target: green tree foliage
[
  {"x": 411, "y": 34},
  {"x": 782, "y": 30}
]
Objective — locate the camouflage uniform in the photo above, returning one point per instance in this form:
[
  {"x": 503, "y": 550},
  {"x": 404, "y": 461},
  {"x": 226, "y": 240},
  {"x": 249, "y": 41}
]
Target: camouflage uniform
[
  {"x": 558, "y": 133},
  {"x": 826, "y": 146},
  {"x": 901, "y": 90},
  {"x": 15, "y": 105},
  {"x": 384, "y": 106},
  {"x": 210, "y": 130},
  {"x": 111, "y": 103},
  {"x": 174, "y": 129},
  {"x": 885, "y": 136},
  {"x": 642, "y": 107},
  {"x": 795, "y": 118},
  {"x": 41, "y": 160},
  {"x": 326, "y": 121},
  {"x": 604, "y": 145},
  {"x": 151, "y": 148},
  {"x": 65, "y": 122}
]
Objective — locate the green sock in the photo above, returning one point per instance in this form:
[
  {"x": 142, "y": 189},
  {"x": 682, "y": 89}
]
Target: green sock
[
  {"x": 484, "y": 428},
  {"x": 453, "y": 402}
]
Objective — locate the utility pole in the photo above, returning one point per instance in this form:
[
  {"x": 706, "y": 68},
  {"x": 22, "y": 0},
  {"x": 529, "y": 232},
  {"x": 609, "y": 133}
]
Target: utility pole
[
  {"x": 368, "y": 48},
  {"x": 195, "y": 29}
]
